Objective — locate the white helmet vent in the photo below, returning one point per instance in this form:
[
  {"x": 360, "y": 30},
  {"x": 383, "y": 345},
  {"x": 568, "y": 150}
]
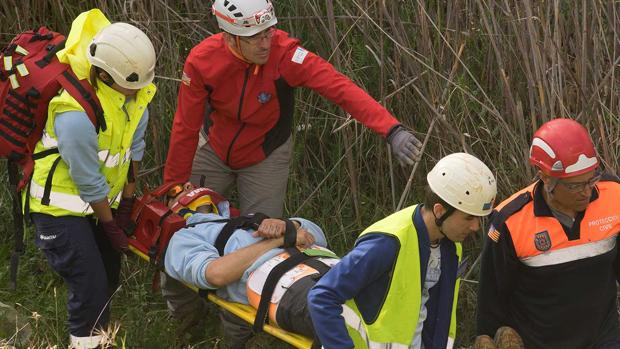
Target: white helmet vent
[
  {"x": 465, "y": 183},
  {"x": 232, "y": 8},
  {"x": 244, "y": 17}
]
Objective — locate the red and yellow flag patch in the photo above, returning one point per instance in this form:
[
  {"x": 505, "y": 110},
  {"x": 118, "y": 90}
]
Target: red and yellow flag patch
[{"x": 493, "y": 234}]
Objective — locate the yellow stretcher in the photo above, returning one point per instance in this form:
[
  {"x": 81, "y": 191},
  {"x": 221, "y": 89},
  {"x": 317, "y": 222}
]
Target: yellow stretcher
[{"x": 247, "y": 313}]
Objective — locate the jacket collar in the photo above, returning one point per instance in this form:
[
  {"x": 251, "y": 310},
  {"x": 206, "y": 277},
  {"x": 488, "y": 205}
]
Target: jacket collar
[{"x": 114, "y": 97}]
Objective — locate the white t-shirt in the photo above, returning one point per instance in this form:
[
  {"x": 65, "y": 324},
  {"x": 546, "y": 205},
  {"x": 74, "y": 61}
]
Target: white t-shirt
[{"x": 433, "y": 272}]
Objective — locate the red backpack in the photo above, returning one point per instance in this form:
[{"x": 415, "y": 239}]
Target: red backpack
[{"x": 30, "y": 76}]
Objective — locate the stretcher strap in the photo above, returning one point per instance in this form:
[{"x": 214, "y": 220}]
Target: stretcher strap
[
  {"x": 242, "y": 222},
  {"x": 295, "y": 258},
  {"x": 270, "y": 284}
]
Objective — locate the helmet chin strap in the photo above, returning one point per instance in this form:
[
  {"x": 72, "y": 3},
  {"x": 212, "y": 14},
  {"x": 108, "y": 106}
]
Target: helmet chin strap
[
  {"x": 439, "y": 220},
  {"x": 237, "y": 50}
]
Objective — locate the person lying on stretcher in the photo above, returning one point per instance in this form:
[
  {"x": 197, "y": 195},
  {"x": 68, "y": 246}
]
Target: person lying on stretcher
[{"x": 235, "y": 258}]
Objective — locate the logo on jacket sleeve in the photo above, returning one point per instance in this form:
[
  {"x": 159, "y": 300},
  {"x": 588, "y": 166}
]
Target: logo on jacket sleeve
[
  {"x": 493, "y": 234},
  {"x": 300, "y": 55},
  {"x": 185, "y": 79},
  {"x": 264, "y": 97},
  {"x": 542, "y": 241}
]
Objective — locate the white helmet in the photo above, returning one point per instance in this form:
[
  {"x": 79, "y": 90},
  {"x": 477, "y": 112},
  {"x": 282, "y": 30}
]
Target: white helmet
[
  {"x": 465, "y": 183},
  {"x": 124, "y": 52},
  {"x": 244, "y": 17}
]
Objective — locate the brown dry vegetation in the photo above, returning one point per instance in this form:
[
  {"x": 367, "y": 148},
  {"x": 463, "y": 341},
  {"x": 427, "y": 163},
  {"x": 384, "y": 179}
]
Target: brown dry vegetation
[{"x": 467, "y": 75}]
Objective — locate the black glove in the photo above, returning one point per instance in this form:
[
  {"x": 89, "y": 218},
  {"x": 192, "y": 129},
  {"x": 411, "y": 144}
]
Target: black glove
[
  {"x": 123, "y": 213},
  {"x": 116, "y": 236},
  {"x": 405, "y": 147}
]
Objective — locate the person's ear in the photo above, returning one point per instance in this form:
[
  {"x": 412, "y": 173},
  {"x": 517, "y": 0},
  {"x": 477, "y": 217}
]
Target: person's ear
[
  {"x": 438, "y": 210},
  {"x": 543, "y": 177}
]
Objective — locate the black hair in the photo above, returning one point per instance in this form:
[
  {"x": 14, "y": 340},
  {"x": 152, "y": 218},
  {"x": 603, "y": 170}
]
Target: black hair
[
  {"x": 430, "y": 199},
  {"x": 95, "y": 73}
]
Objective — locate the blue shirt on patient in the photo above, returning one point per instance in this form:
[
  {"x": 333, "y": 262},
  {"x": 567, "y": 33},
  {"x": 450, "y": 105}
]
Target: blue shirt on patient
[{"x": 190, "y": 251}]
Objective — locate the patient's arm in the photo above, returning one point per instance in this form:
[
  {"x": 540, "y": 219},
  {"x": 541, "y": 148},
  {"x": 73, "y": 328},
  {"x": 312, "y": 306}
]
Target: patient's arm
[{"x": 229, "y": 268}]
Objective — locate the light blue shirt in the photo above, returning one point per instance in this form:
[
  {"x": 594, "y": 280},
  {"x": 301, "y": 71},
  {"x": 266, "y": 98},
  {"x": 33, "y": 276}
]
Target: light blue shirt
[
  {"x": 78, "y": 146},
  {"x": 192, "y": 249}
]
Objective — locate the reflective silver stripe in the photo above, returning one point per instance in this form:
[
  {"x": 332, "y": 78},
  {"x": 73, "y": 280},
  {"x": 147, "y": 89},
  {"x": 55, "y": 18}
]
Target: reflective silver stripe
[
  {"x": 450, "y": 343},
  {"x": 65, "y": 201},
  {"x": 572, "y": 253},
  {"x": 114, "y": 160},
  {"x": 353, "y": 320},
  {"x": 47, "y": 141},
  {"x": 127, "y": 156}
]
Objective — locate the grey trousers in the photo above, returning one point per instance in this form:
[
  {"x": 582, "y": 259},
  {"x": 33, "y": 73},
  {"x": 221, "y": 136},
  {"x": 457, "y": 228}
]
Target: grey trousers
[{"x": 261, "y": 187}]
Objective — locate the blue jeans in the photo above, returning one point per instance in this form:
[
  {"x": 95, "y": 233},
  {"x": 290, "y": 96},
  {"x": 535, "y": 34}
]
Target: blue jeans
[{"x": 77, "y": 249}]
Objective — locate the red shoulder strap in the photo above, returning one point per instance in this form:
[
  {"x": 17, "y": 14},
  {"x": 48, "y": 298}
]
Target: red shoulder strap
[{"x": 84, "y": 93}]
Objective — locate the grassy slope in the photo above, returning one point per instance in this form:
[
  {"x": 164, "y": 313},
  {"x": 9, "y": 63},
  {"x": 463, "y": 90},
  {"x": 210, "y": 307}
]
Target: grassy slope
[{"x": 482, "y": 74}]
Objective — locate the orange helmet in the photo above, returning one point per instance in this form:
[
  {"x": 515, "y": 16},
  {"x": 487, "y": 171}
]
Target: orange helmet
[{"x": 563, "y": 148}]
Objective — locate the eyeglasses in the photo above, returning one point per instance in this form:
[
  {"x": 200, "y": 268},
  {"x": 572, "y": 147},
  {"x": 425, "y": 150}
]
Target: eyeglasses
[
  {"x": 577, "y": 187},
  {"x": 256, "y": 38}
]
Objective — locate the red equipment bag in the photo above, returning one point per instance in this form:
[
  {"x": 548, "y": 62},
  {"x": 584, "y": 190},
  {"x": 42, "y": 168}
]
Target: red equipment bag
[
  {"x": 155, "y": 224},
  {"x": 30, "y": 76}
]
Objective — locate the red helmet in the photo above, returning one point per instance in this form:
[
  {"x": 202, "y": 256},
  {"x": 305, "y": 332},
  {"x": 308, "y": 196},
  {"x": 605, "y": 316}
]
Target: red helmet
[
  {"x": 563, "y": 148},
  {"x": 198, "y": 197}
]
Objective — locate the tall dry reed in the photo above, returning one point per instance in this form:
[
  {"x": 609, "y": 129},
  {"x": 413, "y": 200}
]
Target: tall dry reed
[{"x": 484, "y": 74}]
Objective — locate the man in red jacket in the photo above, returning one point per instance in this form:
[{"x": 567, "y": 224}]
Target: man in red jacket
[
  {"x": 235, "y": 107},
  {"x": 235, "y": 111}
]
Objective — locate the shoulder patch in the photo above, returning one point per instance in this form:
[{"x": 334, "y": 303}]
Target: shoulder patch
[
  {"x": 493, "y": 233},
  {"x": 185, "y": 79},
  {"x": 300, "y": 55}
]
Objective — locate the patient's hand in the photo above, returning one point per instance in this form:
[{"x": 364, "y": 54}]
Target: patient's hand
[
  {"x": 270, "y": 228},
  {"x": 304, "y": 238}
]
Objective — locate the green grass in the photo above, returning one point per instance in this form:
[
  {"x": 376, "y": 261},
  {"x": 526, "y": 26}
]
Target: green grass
[{"x": 488, "y": 72}]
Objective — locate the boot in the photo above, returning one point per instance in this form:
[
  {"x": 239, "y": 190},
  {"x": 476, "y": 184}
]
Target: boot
[
  {"x": 192, "y": 329},
  {"x": 85, "y": 342},
  {"x": 507, "y": 338},
  {"x": 484, "y": 342}
]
